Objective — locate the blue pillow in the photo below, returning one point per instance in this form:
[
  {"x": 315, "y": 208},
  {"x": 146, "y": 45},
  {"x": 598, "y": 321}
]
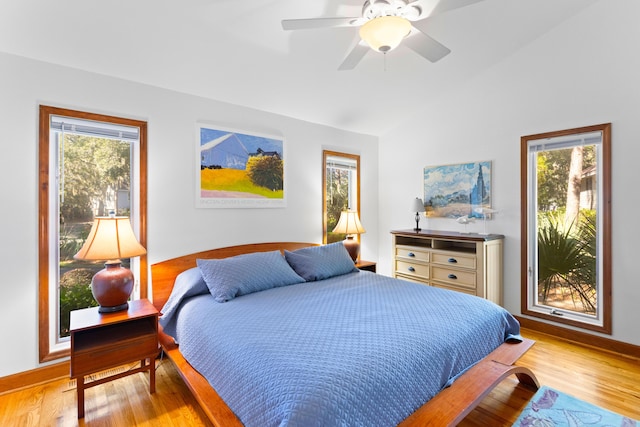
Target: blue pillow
[
  {"x": 232, "y": 277},
  {"x": 189, "y": 283},
  {"x": 321, "y": 262}
]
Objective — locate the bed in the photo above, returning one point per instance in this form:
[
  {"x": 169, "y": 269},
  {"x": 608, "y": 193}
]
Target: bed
[{"x": 305, "y": 352}]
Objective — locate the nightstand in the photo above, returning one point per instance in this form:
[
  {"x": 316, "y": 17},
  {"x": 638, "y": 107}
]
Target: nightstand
[
  {"x": 100, "y": 341},
  {"x": 366, "y": 265}
]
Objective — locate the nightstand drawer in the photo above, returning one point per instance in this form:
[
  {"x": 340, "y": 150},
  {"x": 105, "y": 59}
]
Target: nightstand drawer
[
  {"x": 412, "y": 269},
  {"x": 453, "y": 259},
  {"x": 412, "y": 253},
  {"x": 460, "y": 278},
  {"x": 98, "y": 358}
]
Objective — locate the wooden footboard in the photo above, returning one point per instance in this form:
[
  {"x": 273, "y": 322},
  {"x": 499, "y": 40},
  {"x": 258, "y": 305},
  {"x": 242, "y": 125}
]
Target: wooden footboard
[
  {"x": 454, "y": 403},
  {"x": 447, "y": 408}
]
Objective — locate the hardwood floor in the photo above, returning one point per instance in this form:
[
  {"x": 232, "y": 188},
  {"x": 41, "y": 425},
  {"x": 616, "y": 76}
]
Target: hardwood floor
[
  {"x": 120, "y": 403},
  {"x": 602, "y": 378}
]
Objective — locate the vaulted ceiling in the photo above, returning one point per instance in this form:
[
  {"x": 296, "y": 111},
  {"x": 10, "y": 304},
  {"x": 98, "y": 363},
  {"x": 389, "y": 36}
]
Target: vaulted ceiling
[{"x": 236, "y": 51}]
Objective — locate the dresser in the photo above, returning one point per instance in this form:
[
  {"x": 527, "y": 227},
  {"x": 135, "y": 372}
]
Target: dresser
[{"x": 463, "y": 262}]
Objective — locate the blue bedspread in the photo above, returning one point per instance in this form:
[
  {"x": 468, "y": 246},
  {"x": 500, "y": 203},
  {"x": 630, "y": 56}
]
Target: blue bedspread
[{"x": 355, "y": 350}]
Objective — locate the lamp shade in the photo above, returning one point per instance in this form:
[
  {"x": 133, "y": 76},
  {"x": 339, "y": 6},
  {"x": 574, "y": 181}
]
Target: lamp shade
[
  {"x": 417, "y": 205},
  {"x": 110, "y": 238},
  {"x": 349, "y": 223},
  {"x": 385, "y": 32}
]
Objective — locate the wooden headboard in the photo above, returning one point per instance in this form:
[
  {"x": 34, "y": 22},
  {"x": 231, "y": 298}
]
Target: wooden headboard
[{"x": 164, "y": 273}]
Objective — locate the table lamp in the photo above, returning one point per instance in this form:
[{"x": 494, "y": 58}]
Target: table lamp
[
  {"x": 111, "y": 238},
  {"x": 349, "y": 224},
  {"x": 417, "y": 207}
]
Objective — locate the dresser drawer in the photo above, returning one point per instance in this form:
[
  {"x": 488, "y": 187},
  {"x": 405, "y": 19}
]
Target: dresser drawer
[
  {"x": 465, "y": 290},
  {"x": 466, "y": 279},
  {"x": 412, "y": 253},
  {"x": 412, "y": 279},
  {"x": 412, "y": 269},
  {"x": 454, "y": 259}
]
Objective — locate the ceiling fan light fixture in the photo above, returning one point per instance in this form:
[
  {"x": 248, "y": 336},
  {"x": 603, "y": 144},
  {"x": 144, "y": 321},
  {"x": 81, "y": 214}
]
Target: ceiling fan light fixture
[{"x": 385, "y": 33}]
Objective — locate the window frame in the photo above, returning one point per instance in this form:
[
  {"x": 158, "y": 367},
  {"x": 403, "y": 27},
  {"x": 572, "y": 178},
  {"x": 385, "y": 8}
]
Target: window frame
[
  {"x": 527, "y": 193},
  {"x": 325, "y": 155},
  {"x": 44, "y": 209}
]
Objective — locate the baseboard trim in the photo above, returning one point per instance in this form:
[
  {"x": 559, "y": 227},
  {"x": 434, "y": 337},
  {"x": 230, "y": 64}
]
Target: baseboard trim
[
  {"x": 34, "y": 377},
  {"x": 602, "y": 343}
]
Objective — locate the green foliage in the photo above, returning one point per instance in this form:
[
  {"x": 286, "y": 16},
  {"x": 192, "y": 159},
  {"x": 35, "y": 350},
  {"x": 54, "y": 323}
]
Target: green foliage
[
  {"x": 75, "y": 293},
  {"x": 587, "y": 237},
  {"x": 92, "y": 166},
  {"x": 566, "y": 258},
  {"x": 72, "y": 237},
  {"x": 266, "y": 171},
  {"x": 553, "y": 172},
  {"x": 337, "y": 199}
]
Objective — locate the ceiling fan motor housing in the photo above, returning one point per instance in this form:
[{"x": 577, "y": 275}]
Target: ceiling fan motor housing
[{"x": 376, "y": 8}]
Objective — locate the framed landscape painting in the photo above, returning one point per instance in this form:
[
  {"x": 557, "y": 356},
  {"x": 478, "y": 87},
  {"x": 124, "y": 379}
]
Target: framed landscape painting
[
  {"x": 237, "y": 169},
  {"x": 452, "y": 191}
]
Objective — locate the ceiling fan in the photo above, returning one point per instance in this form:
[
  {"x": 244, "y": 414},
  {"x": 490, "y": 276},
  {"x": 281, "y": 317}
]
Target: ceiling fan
[{"x": 385, "y": 24}]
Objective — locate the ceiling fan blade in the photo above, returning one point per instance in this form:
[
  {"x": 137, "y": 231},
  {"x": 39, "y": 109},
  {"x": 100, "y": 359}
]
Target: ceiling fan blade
[
  {"x": 354, "y": 57},
  {"x": 446, "y": 5},
  {"x": 426, "y": 46},
  {"x": 307, "y": 24}
]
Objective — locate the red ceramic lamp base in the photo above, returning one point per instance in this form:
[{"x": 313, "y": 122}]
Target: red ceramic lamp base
[
  {"x": 352, "y": 246},
  {"x": 112, "y": 286}
]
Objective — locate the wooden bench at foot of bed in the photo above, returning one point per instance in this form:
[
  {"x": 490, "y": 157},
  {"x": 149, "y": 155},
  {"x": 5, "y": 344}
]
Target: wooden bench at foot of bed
[{"x": 447, "y": 408}]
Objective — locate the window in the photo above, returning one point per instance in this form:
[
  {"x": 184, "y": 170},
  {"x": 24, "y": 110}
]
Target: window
[
  {"x": 566, "y": 226},
  {"x": 90, "y": 165},
  {"x": 340, "y": 191}
]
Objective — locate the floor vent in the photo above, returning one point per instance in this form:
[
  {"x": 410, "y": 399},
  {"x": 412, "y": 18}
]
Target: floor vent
[{"x": 100, "y": 375}]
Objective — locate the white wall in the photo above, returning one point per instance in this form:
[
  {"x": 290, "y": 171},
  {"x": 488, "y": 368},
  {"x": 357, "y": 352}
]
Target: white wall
[
  {"x": 175, "y": 227},
  {"x": 584, "y": 72}
]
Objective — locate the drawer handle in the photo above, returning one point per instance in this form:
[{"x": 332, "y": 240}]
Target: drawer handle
[
  {"x": 452, "y": 276},
  {"x": 411, "y": 254},
  {"x": 452, "y": 260},
  {"x": 411, "y": 269}
]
